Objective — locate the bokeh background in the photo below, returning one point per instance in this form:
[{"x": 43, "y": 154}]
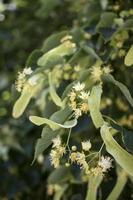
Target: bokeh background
[{"x": 24, "y": 25}]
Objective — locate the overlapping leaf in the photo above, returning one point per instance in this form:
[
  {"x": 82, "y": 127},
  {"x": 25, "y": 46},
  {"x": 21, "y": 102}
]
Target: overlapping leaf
[{"x": 121, "y": 86}]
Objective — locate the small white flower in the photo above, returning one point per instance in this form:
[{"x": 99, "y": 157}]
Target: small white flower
[
  {"x": 55, "y": 158},
  {"x": 86, "y": 145},
  {"x": 105, "y": 163},
  {"x": 21, "y": 75},
  {"x": 33, "y": 80},
  {"x": 27, "y": 71},
  {"x": 79, "y": 86},
  {"x": 56, "y": 142},
  {"x": 77, "y": 113},
  {"x": 84, "y": 95}
]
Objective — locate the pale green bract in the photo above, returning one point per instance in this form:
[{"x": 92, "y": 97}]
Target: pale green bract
[
  {"x": 94, "y": 105},
  {"x": 129, "y": 57},
  {"x": 53, "y": 125},
  {"x": 27, "y": 93},
  {"x": 67, "y": 48},
  {"x": 120, "y": 183},
  {"x": 122, "y": 157},
  {"x": 94, "y": 182},
  {"x": 56, "y": 99}
]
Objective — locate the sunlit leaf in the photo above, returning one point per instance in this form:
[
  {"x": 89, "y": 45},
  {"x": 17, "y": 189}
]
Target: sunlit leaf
[{"x": 129, "y": 57}]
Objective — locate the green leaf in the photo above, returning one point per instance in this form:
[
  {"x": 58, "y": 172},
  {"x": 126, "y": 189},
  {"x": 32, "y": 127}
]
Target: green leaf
[
  {"x": 122, "y": 157},
  {"x": 128, "y": 139},
  {"x": 107, "y": 19},
  {"x": 127, "y": 136},
  {"x": 53, "y": 41},
  {"x": 129, "y": 57},
  {"x": 33, "y": 57},
  {"x": 90, "y": 51},
  {"x": 44, "y": 142},
  {"x": 60, "y": 175},
  {"x": 62, "y": 115},
  {"x": 47, "y": 7},
  {"x": 94, "y": 182},
  {"x": 56, "y": 99},
  {"x": 53, "y": 125},
  {"x": 65, "y": 49},
  {"x": 94, "y": 105},
  {"x": 119, "y": 186},
  {"x": 121, "y": 86}
]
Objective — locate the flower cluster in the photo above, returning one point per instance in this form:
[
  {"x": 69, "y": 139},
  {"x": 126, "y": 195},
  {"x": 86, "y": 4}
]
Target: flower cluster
[
  {"x": 105, "y": 163},
  {"x": 57, "y": 152},
  {"x": 21, "y": 79},
  {"x": 97, "y": 71},
  {"x": 86, "y": 160},
  {"x": 79, "y": 99},
  {"x": 80, "y": 157}
]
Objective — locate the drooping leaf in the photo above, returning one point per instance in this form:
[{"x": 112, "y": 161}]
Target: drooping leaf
[
  {"x": 94, "y": 105},
  {"x": 56, "y": 99},
  {"x": 127, "y": 136},
  {"x": 90, "y": 51},
  {"x": 122, "y": 157},
  {"x": 121, "y": 86},
  {"x": 60, "y": 175},
  {"x": 94, "y": 182},
  {"x": 120, "y": 183},
  {"x": 62, "y": 115},
  {"x": 48, "y": 134},
  {"x": 44, "y": 142},
  {"x": 129, "y": 57},
  {"x": 128, "y": 139}
]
